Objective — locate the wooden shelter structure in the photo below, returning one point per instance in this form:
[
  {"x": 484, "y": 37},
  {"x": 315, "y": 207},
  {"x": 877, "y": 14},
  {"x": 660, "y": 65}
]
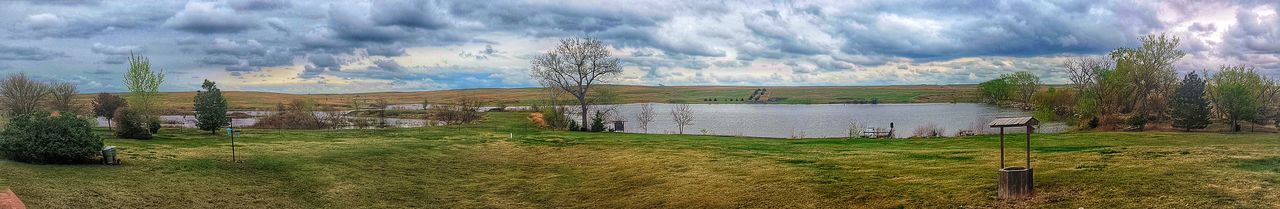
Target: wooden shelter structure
[{"x": 1015, "y": 182}]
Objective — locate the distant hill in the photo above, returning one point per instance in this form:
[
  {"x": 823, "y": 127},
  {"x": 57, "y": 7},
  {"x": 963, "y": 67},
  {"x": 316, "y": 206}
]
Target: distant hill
[{"x": 244, "y": 100}]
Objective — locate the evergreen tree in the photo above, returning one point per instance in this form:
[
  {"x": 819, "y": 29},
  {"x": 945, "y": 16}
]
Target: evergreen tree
[
  {"x": 211, "y": 108},
  {"x": 1190, "y": 109},
  {"x": 597, "y": 122}
]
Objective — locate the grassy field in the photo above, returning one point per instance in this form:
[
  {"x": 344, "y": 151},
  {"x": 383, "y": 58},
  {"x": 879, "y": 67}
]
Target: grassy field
[
  {"x": 483, "y": 166},
  {"x": 628, "y": 94}
]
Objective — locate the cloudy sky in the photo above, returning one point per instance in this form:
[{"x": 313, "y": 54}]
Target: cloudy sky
[{"x": 363, "y": 46}]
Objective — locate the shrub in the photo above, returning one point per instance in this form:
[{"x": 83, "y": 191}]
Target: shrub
[
  {"x": 39, "y": 138},
  {"x": 336, "y": 119},
  {"x": 927, "y": 131},
  {"x": 466, "y": 111},
  {"x": 555, "y": 117},
  {"x": 537, "y": 120},
  {"x": 1136, "y": 122},
  {"x": 573, "y": 125},
  {"x": 129, "y": 124},
  {"x": 1110, "y": 122},
  {"x": 153, "y": 125},
  {"x": 291, "y": 120}
]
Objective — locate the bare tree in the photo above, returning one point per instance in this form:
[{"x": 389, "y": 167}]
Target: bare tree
[
  {"x": 1086, "y": 77},
  {"x": 574, "y": 66},
  {"x": 21, "y": 95},
  {"x": 682, "y": 115},
  {"x": 645, "y": 116},
  {"x": 63, "y": 97}
]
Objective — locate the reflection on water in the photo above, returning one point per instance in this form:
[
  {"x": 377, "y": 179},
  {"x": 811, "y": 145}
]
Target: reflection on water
[{"x": 824, "y": 120}]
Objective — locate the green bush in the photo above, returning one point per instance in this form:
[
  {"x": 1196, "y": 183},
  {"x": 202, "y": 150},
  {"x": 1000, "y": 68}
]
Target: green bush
[
  {"x": 573, "y": 125},
  {"x": 153, "y": 125},
  {"x": 1137, "y": 122},
  {"x": 39, "y": 138},
  {"x": 129, "y": 125}
]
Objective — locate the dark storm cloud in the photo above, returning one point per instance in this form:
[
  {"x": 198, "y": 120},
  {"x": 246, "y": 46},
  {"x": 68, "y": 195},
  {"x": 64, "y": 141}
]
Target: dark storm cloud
[
  {"x": 247, "y": 55},
  {"x": 318, "y": 64},
  {"x": 430, "y": 15},
  {"x": 772, "y": 26},
  {"x": 383, "y": 27},
  {"x": 670, "y": 41},
  {"x": 28, "y": 53},
  {"x": 82, "y": 25},
  {"x": 625, "y": 25},
  {"x": 543, "y": 19},
  {"x": 220, "y": 60},
  {"x": 237, "y": 48},
  {"x": 210, "y": 18}
]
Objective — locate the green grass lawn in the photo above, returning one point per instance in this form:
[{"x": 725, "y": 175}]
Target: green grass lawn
[{"x": 480, "y": 166}]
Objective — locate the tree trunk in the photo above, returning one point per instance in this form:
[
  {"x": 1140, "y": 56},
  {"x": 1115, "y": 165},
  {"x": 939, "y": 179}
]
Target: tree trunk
[{"x": 583, "y": 101}]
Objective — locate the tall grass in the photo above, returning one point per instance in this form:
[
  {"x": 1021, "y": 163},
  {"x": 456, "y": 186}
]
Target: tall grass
[
  {"x": 291, "y": 120},
  {"x": 299, "y": 114},
  {"x": 928, "y": 130}
]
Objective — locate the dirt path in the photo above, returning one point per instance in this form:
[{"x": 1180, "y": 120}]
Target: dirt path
[{"x": 10, "y": 201}]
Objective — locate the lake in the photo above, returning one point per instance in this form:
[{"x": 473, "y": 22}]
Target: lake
[
  {"x": 763, "y": 120},
  {"x": 823, "y": 120},
  {"x": 189, "y": 121}
]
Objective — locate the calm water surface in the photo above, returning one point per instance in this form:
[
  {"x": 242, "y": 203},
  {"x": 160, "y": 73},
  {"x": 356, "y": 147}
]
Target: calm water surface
[
  {"x": 765, "y": 120},
  {"x": 823, "y": 120}
]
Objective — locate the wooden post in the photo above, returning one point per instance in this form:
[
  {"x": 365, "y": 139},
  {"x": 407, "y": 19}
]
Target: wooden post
[
  {"x": 233, "y": 147},
  {"x": 1028, "y": 147},
  {"x": 1001, "y": 147}
]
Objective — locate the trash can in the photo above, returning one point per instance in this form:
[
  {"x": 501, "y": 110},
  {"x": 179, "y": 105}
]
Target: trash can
[{"x": 109, "y": 156}]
